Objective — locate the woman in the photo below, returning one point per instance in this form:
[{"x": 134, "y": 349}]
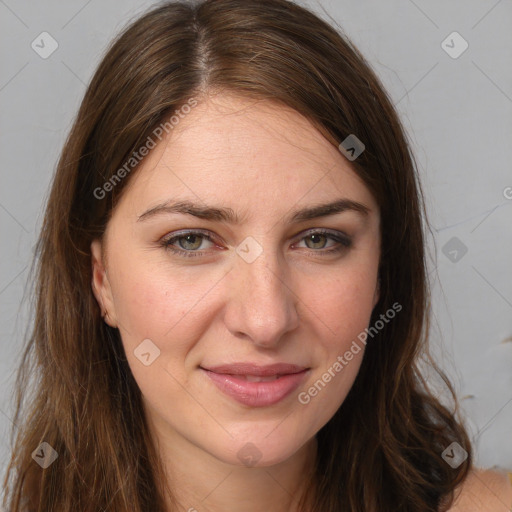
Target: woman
[{"x": 231, "y": 288}]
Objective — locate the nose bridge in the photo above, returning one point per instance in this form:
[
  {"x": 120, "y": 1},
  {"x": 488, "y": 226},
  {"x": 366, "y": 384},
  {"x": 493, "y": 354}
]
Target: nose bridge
[
  {"x": 265, "y": 305},
  {"x": 265, "y": 275}
]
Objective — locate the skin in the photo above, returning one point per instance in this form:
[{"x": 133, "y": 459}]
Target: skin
[
  {"x": 291, "y": 304},
  {"x": 484, "y": 491}
]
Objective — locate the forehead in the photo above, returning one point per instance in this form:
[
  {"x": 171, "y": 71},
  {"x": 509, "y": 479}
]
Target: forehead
[{"x": 255, "y": 155}]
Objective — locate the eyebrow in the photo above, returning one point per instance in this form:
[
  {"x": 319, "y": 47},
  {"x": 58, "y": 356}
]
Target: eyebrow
[{"x": 229, "y": 216}]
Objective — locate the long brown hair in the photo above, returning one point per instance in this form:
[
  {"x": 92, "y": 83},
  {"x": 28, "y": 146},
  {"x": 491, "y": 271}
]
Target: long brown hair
[{"x": 382, "y": 449}]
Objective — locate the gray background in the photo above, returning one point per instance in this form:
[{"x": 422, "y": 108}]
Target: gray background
[{"x": 457, "y": 112}]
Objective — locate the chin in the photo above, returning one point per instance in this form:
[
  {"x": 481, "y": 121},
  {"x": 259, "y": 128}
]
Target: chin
[{"x": 258, "y": 449}]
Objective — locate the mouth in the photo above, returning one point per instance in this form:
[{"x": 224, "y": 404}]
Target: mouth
[{"x": 256, "y": 386}]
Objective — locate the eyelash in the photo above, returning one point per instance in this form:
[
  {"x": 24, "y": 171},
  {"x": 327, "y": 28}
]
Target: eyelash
[{"x": 343, "y": 241}]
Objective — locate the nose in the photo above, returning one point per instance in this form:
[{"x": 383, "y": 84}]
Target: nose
[{"x": 262, "y": 305}]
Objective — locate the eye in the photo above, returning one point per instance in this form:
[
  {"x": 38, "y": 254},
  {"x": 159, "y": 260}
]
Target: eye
[
  {"x": 188, "y": 242},
  {"x": 318, "y": 239}
]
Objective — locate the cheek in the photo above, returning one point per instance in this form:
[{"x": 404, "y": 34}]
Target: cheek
[
  {"x": 343, "y": 306},
  {"x": 157, "y": 302},
  {"x": 340, "y": 310},
  {"x": 162, "y": 306}
]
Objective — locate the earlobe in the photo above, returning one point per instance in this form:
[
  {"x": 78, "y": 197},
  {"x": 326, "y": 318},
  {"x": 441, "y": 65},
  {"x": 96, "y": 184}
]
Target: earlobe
[{"x": 101, "y": 285}]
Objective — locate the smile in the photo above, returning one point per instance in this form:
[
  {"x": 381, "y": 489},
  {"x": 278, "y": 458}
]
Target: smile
[{"x": 256, "y": 386}]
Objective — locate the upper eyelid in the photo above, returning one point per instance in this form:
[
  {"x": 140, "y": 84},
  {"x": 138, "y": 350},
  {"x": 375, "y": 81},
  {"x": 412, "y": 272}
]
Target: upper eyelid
[{"x": 180, "y": 234}]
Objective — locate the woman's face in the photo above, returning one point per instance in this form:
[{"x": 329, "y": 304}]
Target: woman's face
[{"x": 244, "y": 282}]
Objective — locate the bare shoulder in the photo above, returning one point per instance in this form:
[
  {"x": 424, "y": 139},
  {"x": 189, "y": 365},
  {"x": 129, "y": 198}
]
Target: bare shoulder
[{"x": 485, "y": 490}]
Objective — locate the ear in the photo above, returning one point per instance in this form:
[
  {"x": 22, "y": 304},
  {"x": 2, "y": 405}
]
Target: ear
[{"x": 101, "y": 286}]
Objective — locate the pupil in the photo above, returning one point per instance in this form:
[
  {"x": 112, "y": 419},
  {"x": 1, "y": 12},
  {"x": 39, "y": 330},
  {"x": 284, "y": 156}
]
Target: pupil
[
  {"x": 189, "y": 239},
  {"x": 312, "y": 237}
]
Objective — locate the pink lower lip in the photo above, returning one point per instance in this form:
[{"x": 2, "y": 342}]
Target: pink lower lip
[{"x": 256, "y": 394}]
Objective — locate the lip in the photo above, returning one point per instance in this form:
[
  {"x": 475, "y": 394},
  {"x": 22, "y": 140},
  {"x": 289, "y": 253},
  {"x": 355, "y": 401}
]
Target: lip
[
  {"x": 231, "y": 380},
  {"x": 254, "y": 369}
]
